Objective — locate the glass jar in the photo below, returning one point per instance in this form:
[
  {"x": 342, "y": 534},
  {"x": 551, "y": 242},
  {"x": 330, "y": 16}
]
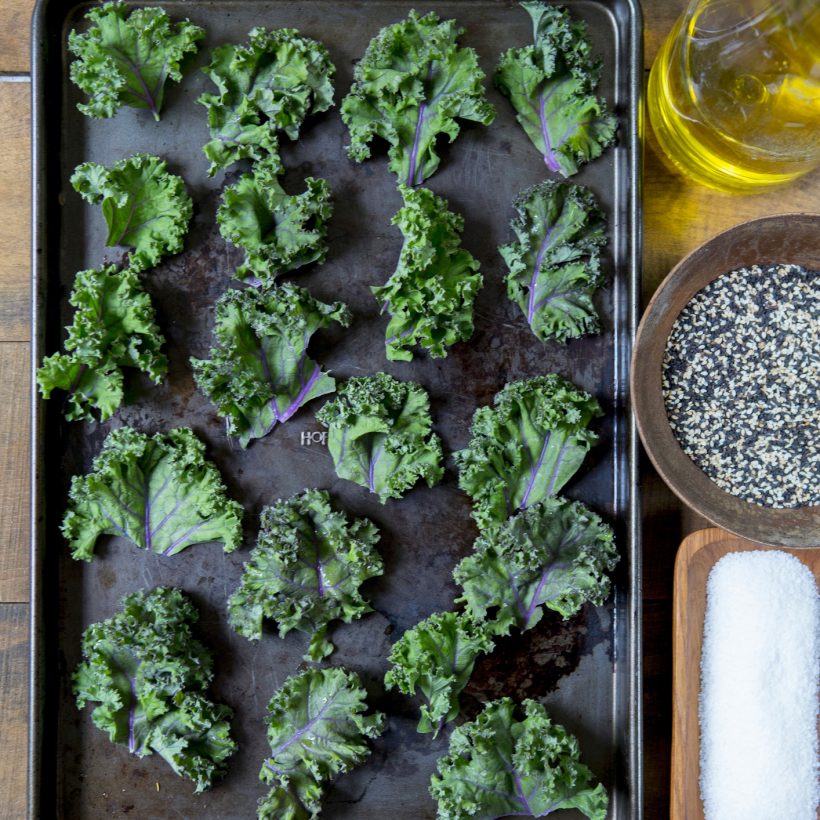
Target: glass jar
[{"x": 734, "y": 93}]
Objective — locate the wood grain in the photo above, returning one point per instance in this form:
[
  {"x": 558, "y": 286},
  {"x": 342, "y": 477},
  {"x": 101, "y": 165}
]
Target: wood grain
[
  {"x": 15, "y": 216},
  {"x": 696, "y": 557},
  {"x": 13, "y": 709},
  {"x": 15, "y": 28},
  {"x": 14, "y": 469},
  {"x": 679, "y": 215}
]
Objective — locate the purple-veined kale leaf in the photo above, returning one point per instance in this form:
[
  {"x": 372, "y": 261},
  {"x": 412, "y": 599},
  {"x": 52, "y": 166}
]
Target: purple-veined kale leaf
[
  {"x": 305, "y": 571},
  {"x": 555, "y": 267},
  {"x": 429, "y": 297},
  {"x": 317, "y": 730},
  {"x": 551, "y": 85},
  {"x": 436, "y": 657},
  {"x": 145, "y": 207},
  {"x": 380, "y": 435},
  {"x": 270, "y": 85},
  {"x": 502, "y": 766},
  {"x": 414, "y": 83},
  {"x": 259, "y": 373},
  {"x": 525, "y": 447},
  {"x": 159, "y": 492},
  {"x": 127, "y": 56},
  {"x": 553, "y": 554},
  {"x": 113, "y": 327},
  {"x": 279, "y": 232},
  {"x": 149, "y": 676}
]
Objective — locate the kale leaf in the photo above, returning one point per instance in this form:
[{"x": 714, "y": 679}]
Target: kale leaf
[
  {"x": 270, "y": 85},
  {"x": 499, "y": 766},
  {"x": 437, "y": 657},
  {"x": 126, "y": 57},
  {"x": 148, "y": 676},
  {"x": 277, "y": 231},
  {"x": 380, "y": 435},
  {"x": 317, "y": 730},
  {"x": 146, "y": 207},
  {"x": 526, "y": 447},
  {"x": 113, "y": 327},
  {"x": 158, "y": 492},
  {"x": 429, "y": 296},
  {"x": 551, "y": 86},
  {"x": 553, "y": 554},
  {"x": 414, "y": 83},
  {"x": 259, "y": 373},
  {"x": 305, "y": 571},
  {"x": 555, "y": 266}
]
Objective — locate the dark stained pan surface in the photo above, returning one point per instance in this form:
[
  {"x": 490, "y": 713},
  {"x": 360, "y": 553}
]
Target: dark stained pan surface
[{"x": 587, "y": 670}]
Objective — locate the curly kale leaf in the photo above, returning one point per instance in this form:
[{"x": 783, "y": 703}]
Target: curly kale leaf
[
  {"x": 413, "y": 84},
  {"x": 430, "y": 295},
  {"x": 500, "y": 766},
  {"x": 317, "y": 730},
  {"x": 126, "y": 57},
  {"x": 437, "y": 657},
  {"x": 555, "y": 267},
  {"x": 149, "y": 675},
  {"x": 259, "y": 373},
  {"x": 146, "y": 207},
  {"x": 551, "y": 86},
  {"x": 277, "y": 231},
  {"x": 554, "y": 553},
  {"x": 305, "y": 571},
  {"x": 158, "y": 492},
  {"x": 380, "y": 435},
  {"x": 270, "y": 85},
  {"x": 526, "y": 447},
  {"x": 113, "y": 327}
]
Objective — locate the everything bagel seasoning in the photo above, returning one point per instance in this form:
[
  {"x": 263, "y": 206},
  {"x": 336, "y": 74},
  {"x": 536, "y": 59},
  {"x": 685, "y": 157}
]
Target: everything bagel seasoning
[{"x": 741, "y": 384}]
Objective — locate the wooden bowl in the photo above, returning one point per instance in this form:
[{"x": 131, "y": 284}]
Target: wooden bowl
[{"x": 786, "y": 238}]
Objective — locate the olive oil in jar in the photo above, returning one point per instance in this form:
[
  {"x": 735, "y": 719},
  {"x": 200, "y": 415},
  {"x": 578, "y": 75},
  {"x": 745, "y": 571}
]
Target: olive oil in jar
[{"x": 734, "y": 93}]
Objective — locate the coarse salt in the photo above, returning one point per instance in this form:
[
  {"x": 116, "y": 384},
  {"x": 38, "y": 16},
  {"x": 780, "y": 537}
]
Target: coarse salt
[{"x": 760, "y": 670}]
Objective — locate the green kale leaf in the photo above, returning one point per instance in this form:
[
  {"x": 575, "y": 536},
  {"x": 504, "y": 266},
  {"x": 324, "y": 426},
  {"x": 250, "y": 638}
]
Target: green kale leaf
[
  {"x": 148, "y": 676},
  {"x": 126, "y": 57},
  {"x": 277, "y": 231},
  {"x": 259, "y": 373},
  {"x": 437, "y": 657},
  {"x": 146, "y": 207},
  {"x": 553, "y": 554},
  {"x": 317, "y": 730},
  {"x": 526, "y": 447},
  {"x": 158, "y": 492},
  {"x": 551, "y": 86},
  {"x": 270, "y": 85},
  {"x": 500, "y": 766},
  {"x": 113, "y": 327},
  {"x": 555, "y": 267},
  {"x": 414, "y": 83},
  {"x": 429, "y": 296},
  {"x": 380, "y": 435},
  {"x": 305, "y": 571}
]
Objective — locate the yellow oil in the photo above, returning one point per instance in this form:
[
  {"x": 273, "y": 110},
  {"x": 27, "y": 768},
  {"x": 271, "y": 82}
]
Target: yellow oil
[{"x": 734, "y": 98}]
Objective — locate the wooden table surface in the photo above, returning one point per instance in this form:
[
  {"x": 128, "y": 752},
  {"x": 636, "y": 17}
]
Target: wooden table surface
[{"x": 678, "y": 216}]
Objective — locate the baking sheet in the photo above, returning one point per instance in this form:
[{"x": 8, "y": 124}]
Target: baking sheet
[{"x": 587, "y": 671}]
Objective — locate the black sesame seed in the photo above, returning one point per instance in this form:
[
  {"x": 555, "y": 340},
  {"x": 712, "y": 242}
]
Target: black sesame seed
[{"x": 741, "y": 383}]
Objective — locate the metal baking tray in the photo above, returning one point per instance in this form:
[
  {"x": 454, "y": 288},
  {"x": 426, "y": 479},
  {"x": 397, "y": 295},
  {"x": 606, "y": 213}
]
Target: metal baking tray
[{"x": 587, "y": 671}]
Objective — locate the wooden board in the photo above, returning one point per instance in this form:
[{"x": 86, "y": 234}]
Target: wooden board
[
  {"x": 13, "y": 709},
  {"x": 15, "y": 29},
  {"x": 15, "y": 217},
  {"x": 696, "y": 557},
  {"x": 14, "y": 469}
]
